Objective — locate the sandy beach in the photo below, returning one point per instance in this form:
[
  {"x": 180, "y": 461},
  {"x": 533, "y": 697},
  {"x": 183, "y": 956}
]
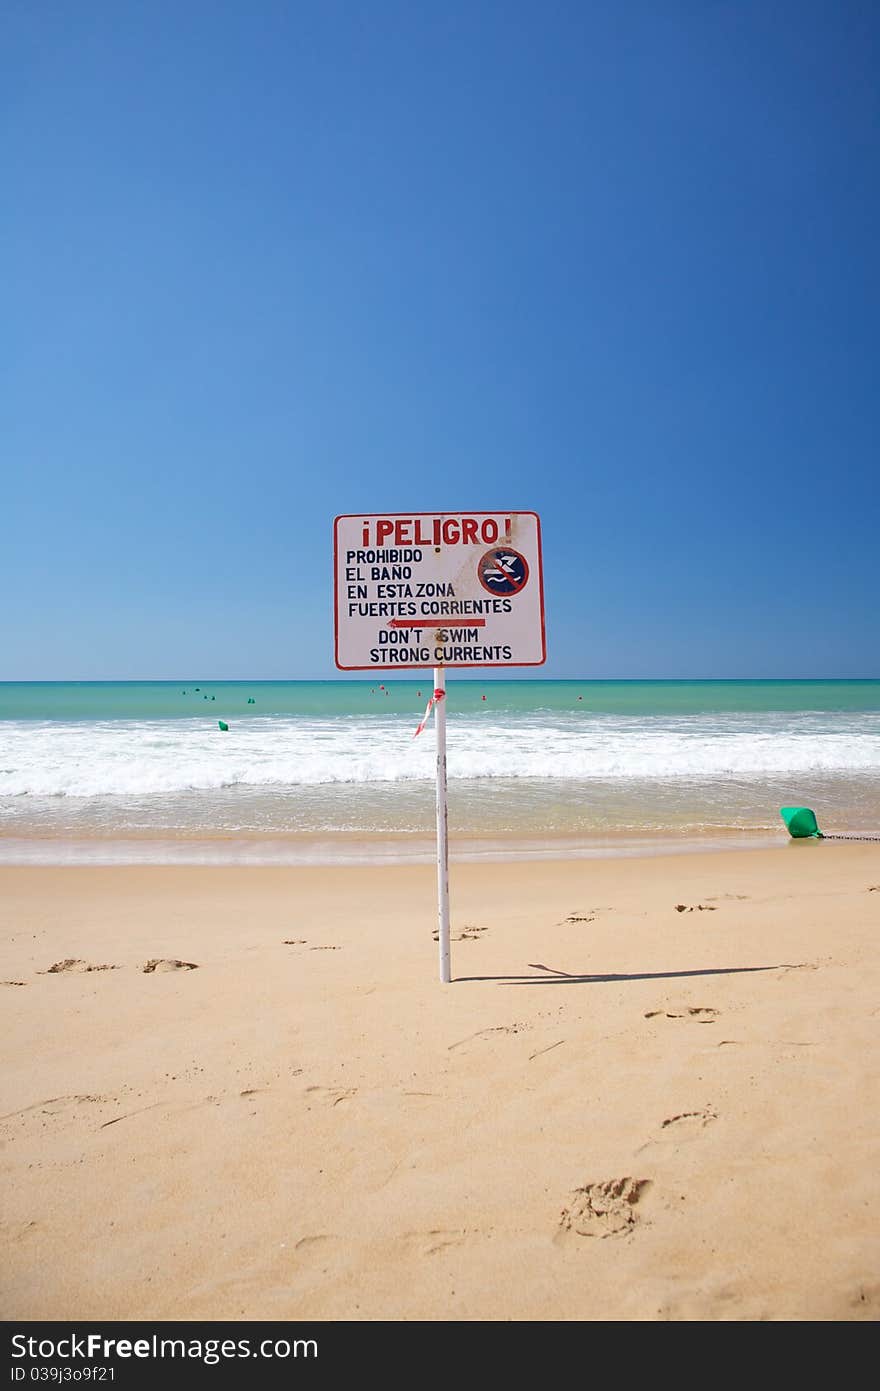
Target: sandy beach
[{"x": 651, "y": 1092}]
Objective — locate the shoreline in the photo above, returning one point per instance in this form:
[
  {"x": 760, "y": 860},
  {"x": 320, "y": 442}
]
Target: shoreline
[
  {"x": 240, "y": 1092},
  {"x": 356, "y": 848}
]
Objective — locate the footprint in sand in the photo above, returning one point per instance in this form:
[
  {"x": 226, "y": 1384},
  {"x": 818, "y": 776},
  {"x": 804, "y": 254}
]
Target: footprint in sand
[
  {"x": 53, "y": 1112},
  {"x": 486, "y": 1033},
  {"x": 431, "y": 1242},
  {"x": 686, "y": 1125},
  {"x": 469, "y": 933},
  {"x": 333, "y": 1095},
  {"x": 53, "y": 1105},
  {"x": 701, "y": 1014},
  {"x": 604, "y": 1209},
  {"x": 74, "y": 965},
  {"x": 700, "y": 1119},
  {"x": 168, "y": 963}
]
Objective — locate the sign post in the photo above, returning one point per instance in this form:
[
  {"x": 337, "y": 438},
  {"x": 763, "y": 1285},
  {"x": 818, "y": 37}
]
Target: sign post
[
  {"x": 442, "y": 828},
  {"x": 440, "y": 590}
]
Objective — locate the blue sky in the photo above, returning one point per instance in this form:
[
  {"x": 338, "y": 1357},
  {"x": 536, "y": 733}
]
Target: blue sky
[{"x": 266, "y": 263}]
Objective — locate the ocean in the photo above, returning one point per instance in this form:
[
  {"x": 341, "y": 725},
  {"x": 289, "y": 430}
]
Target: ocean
[{"x": 329, "y": 771}]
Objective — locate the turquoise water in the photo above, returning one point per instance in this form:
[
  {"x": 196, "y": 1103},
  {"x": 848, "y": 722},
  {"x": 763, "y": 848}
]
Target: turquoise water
[
  {"x": 188, "y": 699},
  {"x": 143, "y": 767}
]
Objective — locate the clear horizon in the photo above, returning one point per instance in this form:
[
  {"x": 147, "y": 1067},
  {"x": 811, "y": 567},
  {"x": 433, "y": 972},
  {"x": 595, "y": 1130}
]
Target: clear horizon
[{"x": 477, "y": 674}]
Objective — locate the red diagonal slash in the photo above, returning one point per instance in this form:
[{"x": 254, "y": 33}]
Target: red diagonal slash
[{"x": 511, "y": 579}]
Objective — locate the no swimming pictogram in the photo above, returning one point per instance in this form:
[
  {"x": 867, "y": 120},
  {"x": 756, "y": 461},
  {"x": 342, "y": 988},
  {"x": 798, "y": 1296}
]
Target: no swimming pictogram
[{"x": 503, "y": 571}]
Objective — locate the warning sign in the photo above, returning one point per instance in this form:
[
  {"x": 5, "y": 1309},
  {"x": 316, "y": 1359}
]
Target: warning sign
[{"x": 451, "y": 589}]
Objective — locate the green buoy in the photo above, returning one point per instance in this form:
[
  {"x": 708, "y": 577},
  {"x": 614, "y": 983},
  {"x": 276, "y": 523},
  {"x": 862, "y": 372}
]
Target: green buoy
[
  {"x": 224, "y": 726},
  {"x": 801, "y": 823}
]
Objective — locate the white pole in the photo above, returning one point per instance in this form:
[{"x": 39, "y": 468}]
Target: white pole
[{"x": 442, "y": 829}]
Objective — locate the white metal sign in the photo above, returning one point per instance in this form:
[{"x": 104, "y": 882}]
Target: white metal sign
[{"x": 438, "y": 589}]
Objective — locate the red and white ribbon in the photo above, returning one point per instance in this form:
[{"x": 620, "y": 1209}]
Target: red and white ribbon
[{"x": 437, "y": 696}]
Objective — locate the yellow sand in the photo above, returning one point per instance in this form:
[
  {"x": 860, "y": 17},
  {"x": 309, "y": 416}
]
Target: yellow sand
[{"x": 618, "y": 1111}]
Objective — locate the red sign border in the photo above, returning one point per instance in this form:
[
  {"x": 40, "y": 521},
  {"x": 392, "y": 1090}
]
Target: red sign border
[{"x": 449, "y": 666}]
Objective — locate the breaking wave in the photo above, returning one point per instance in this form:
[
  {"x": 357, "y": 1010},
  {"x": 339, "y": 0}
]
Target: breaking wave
[{"x": 123, "y": 758}]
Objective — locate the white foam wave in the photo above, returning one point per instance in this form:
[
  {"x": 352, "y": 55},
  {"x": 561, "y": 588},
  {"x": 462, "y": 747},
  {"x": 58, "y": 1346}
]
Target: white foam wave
[{"x": 126, "y": 758}]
